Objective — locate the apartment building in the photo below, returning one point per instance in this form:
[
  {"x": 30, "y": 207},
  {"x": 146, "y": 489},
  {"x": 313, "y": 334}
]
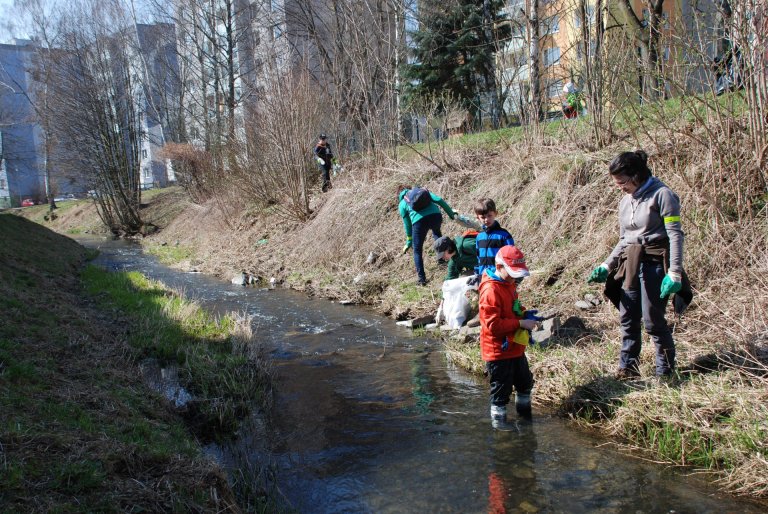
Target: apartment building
[
  {"x": 157, "y": 98},
  {"x": 21, "y": 164},
  {"x": 561, "y": 51}
]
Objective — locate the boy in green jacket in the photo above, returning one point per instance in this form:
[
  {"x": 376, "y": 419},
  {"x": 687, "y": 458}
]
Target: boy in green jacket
[{"x": 461, "y": 254}]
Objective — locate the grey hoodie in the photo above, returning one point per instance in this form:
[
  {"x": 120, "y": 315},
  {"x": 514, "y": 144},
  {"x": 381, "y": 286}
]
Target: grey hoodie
[{"x": 650, "y": 214}]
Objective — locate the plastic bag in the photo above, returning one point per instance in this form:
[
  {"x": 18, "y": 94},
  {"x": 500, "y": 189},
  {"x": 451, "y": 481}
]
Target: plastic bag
[{"x": 455, "y": 303}]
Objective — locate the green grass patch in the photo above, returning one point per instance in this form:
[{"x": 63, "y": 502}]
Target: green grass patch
[
  {"x": 413, "y": 292},
  {"x": 170, "y": 255},
  {"x": 217, "y": 366}
]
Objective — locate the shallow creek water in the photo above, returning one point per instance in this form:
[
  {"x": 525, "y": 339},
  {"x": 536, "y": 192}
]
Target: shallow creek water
[{"x": 369, "y": 418}]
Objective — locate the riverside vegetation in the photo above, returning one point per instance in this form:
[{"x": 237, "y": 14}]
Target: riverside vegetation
[
  {"x": 554, "y": 196},
  {"x": 81, "y": 431}
]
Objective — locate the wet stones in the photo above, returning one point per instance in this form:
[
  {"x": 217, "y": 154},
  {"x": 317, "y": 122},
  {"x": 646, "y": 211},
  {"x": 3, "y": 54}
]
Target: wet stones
[{"x": 417, "y": 322}]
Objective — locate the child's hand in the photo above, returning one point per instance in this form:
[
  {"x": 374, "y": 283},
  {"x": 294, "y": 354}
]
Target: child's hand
[{"x": 528, "y": 324}]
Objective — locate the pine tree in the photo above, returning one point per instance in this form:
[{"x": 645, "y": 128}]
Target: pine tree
[{"x": 453, "y": 50}]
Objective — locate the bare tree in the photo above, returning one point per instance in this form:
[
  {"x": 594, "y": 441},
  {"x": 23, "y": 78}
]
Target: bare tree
[
  {"x": 647, "y": 31},
  {"x": 40, "y": 17},
  {"x": 276, "y": 169},
  {"x": 96, "y": 111},
  {"x": 352, "y": 49}
]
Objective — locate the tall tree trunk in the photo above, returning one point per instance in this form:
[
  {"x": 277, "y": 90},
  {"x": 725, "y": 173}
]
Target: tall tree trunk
[{"x": 532, "y": 8}]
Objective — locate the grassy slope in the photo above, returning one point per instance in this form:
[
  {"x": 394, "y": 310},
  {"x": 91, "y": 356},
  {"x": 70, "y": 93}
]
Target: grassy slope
[
  {"x": 560, "y": 207},
  {"x": 80, "y": 431},
  {"x": 556, "y": 200}
]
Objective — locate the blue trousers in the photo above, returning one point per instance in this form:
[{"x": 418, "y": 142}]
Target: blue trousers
[
  {"x": 643, "y": 304},
  {"x": 419, "y": 234}
]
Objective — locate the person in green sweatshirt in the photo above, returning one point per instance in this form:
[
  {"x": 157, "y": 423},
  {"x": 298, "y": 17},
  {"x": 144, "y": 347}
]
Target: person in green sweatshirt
[
  {"x": 420, "y": 211},
  {"x": 461, "y": 254}
]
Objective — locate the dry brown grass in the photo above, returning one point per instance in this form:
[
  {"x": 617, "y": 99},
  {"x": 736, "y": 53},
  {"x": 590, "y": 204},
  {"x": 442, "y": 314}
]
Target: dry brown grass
[{"x": 560, "y": 206}]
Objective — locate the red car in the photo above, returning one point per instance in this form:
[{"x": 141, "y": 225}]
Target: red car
[{"x": 27, "y": 202}]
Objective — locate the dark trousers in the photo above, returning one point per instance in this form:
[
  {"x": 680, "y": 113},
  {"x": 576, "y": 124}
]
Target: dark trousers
[
  {"x": 326, "y": 177},
  {"x": 507, "y": 374},
  {"x": 419, "y": 234},
  {"x": 644, "y": 304}
]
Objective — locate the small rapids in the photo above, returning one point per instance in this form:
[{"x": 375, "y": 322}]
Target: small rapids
[{"x": 368, "y": 417}]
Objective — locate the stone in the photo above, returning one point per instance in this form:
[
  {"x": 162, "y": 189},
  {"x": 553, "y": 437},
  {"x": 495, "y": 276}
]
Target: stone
[
  {"x": 346, "y": 302},
  {"x": 240, "y": 279},
  {"x": 469, "y": 331},
  {"x": 431, "y": 326},
  {"x": 594, "y": 300},
  {"x": 572, "y": 327},
  {"x": 549, "y": 328},
  {"x": 417, "y": 322},
  {"x": 359, "y": 278},
  {"x": 584, "y": 305},
  {"x": 372, "y": 257}
]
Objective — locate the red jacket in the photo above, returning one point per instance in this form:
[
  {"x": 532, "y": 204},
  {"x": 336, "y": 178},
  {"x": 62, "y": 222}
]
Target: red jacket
[{"x": 498, "y": 322}]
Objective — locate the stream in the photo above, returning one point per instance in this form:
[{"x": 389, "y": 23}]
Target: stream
[{"x": 370, "y": 418}]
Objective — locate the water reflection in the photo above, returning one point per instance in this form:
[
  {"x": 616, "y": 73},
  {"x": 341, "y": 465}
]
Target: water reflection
[{"x": 368, "y": 418}]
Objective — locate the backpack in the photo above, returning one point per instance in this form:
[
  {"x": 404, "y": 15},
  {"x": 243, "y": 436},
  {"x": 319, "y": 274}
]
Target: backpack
[{"x": 418, "y": 198}]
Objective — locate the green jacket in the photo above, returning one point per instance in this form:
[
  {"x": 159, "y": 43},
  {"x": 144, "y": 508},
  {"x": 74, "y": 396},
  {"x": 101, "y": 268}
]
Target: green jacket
[
  {"x": 465, "y": 258},
  {"x": 410, "y": 216}
]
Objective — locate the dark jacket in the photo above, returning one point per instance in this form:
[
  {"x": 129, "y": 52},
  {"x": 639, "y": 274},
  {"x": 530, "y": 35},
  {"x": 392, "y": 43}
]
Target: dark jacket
[
  {"x": 325, "y": 153},
  {"x": 625, "y": 275}
]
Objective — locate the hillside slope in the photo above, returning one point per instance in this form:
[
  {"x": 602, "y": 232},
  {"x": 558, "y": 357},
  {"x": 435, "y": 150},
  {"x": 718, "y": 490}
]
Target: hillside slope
[{"x": 561, "y": 207}]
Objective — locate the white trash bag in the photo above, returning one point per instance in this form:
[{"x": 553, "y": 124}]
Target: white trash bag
[{"x": 455, "y": 303}]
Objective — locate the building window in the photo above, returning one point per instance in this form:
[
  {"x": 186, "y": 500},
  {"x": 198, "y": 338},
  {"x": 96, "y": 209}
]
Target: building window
[
  {"x": 144, "y": 154},
  {"x": 3, "y": 184},
  {"x": 555, "y": 89},
  {"x": 552, "y": 56},
  {"x": 589, "y": 13},
  {"x": 551, "y": 25},
  {"x": 277, "y": 32}
]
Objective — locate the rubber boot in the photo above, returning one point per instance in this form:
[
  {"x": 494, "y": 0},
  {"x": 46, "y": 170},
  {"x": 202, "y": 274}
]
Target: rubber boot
[
  {"x": 498, "y": 416},
  {"x": 523, "y": 404}
]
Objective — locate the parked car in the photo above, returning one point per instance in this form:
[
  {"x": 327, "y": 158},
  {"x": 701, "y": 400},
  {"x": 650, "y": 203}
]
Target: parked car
[
  {"x": 64, "y": 198},
  {"x": 27, "y": 202}
]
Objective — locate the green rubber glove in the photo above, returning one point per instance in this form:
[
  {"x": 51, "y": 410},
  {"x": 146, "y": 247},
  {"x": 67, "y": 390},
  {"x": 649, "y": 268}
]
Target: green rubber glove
[
  {"x": 599, "y": 274},
  {"x": 670, "y": 285},
  {"x": 408, "y": 244}
]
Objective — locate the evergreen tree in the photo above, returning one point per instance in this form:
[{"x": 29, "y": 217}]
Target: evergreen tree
[{"x": 453, "y": 50}]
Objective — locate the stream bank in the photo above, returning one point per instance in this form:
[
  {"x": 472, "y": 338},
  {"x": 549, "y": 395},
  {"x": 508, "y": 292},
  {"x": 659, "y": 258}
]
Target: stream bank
[
  {"x": 369, "y": 417},
  {"x": 561, "y": 210}
]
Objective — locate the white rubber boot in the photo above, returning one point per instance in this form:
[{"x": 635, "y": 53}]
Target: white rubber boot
[{"x": 498, "y": 415}]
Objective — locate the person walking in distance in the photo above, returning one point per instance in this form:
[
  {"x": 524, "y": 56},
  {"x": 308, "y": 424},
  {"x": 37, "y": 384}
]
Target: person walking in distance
[{"x": 324, "y": 158}]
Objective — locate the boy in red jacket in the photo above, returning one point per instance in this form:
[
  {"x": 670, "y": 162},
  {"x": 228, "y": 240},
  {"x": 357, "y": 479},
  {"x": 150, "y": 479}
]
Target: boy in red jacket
[{"x": 504, "y": 334}]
